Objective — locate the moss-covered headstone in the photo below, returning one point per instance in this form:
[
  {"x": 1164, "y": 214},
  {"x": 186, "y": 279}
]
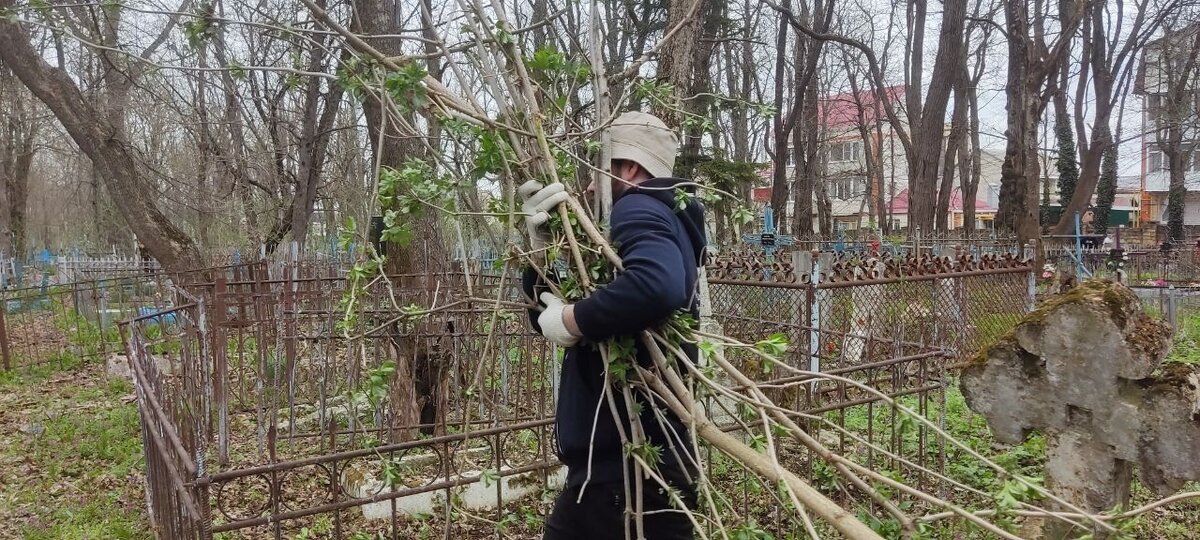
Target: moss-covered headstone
[{"x": 1086, "y": 370}]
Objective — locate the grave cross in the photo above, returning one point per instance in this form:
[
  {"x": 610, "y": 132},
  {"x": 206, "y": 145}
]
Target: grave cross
[
  {"x": 768, "y": 239},
  {"x": 1084, "y": 369}
]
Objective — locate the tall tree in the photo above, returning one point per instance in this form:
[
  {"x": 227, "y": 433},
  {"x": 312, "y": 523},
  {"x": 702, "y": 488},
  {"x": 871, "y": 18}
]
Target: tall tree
[
  {"x": 1106, "y": 190},
  {"x": 1033, "y": 57},
  {"x": 1109, "y": 45},
  {"x": 684, "y": 63},
  {"x": 98, "y": 127},
  {"x": 1064, "y": 161},
  {"x": 868, "y": 124},
  {"x": 955, "y": 148},
  {"x": 795, "y": 137},
  {"x": 19, "y": 126},
  {"x": 422, "y": 260},
  {"x": 980, "y": 26},
  {"x": 922, "y": 130}
]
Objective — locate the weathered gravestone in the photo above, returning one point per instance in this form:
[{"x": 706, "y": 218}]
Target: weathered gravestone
[{"x": 1084, "y": 369}]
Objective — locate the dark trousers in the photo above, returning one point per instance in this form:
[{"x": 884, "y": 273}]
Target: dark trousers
[{"x": 600, "y": 515}]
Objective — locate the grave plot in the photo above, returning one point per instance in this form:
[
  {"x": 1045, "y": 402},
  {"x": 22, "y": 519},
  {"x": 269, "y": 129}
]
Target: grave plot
[
  {"x": 65, "y": 323},
  {"x": 267, "y": 419},
  {"x": 274, "y": 416}
]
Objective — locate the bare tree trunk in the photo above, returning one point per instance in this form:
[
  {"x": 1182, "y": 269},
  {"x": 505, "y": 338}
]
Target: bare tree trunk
[
  {"x": 677, "y": 63},
  {"x": 692, "y": 103},
  {"x": 1031, "y": 62},
  {"x": 203, "y": 202},
  {"x": 954, "y": 142},
  {"x": 1109, "y": 69},
  {"x": 1176, "y": 124},
  {"x": 1019, "y": 172},
  {"x": 233, "y": 158},
  {"x": 779, "y": 128},
  {"x": 804, "y": 142},
  {"x": 420, "y": 369},
  {"x": 1177, "y": 160},
  {"x": 18, "y": 134},
  {"x": 928, "y": 133},
  {"x": 314, "y": 142}
]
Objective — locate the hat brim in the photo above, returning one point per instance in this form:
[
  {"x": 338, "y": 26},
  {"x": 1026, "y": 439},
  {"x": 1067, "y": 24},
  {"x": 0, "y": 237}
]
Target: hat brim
[{"x": 653, "y": 164}]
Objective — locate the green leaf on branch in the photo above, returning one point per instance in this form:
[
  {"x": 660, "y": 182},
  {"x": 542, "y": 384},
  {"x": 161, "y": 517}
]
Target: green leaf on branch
[
  {"x": 292, "y": 81},
  {"x": 392, "y": 473},
  {"x": 743, "y": 215},
  {"x": 622, "y": 348},
  {"x": 682, "y": 198},
  {"x": 503, "y": 36},
  {"x": 198, "y": 30},
  {"x": 364, "y": 270},
  {"x": 773, "y": 346},
  {"x": 1014, "y": 492},
  {"x": 407, "y": 87},
  {"x": 618, "y": 370},
  {"x": 650, "y": 453},
  {"x": 400, "y": 234},
  {"x": 412, "y": 312},
  {"x": 546, "y": 59},
  {"x": 346, "y": 234},
  {"x": 354, "y": 73},
  {"x": 750, "y": 531},
  {"x": 237, "y": 71},
  {"x": 493, "y": 153}
]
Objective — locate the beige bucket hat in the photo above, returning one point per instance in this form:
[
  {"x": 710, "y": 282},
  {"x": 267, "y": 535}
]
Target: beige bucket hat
[{"x": 644, "y": 139}]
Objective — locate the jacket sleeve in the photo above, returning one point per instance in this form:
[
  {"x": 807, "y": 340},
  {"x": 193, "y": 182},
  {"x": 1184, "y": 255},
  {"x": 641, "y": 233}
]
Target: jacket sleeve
[
  {"x": 654, "y": 283},
  {"x": 532, "y": 286}
]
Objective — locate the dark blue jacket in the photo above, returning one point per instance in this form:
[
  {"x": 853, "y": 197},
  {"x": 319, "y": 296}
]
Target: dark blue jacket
[{"x": 661, "y": 248}]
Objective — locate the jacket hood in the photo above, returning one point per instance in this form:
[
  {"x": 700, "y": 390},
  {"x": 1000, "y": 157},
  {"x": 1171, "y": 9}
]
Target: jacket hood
[{"x": 692, "y": 215}]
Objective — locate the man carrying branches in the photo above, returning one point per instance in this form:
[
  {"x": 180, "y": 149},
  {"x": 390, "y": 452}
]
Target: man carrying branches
[{"x": 660, "y": 238}]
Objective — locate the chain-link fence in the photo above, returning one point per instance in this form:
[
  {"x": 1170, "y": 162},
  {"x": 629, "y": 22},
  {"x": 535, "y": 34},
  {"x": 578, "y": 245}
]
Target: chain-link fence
[{"x": 958, "y": 304}]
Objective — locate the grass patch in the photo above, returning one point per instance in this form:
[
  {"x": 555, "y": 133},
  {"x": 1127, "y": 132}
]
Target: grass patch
[
  {"x": 72, "y": 466},
  {"x": 1186, "y": 345}
]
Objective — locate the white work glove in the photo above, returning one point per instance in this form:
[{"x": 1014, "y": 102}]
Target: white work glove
[
  {"x": 538, "y": 202},
  {"x": 551, "y": 321}
]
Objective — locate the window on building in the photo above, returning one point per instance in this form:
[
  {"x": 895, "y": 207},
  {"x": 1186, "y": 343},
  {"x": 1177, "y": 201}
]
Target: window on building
[
  {"x": 847, "y": 187},
  {"x": 845, "y": 151},
  {"x": 1159, "y": 162}
]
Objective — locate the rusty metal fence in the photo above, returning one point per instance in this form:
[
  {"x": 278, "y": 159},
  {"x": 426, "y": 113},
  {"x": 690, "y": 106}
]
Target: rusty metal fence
[
  {"x": 66, "y": 323},
  {"x": 266, "y": 414},
  {"x": 890, "y": 324}
]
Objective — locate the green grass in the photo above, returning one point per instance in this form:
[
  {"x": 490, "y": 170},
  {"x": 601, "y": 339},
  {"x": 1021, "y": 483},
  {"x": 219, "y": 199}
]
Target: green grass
[
  {"x": 1186, "y": 346},
  {"x": 73, "y": 456}
]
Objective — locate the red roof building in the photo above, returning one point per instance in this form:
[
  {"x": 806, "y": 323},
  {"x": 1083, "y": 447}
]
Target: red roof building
[
  {"x": 899, "y": 204},
  {"x": 841, "y": 110}
]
